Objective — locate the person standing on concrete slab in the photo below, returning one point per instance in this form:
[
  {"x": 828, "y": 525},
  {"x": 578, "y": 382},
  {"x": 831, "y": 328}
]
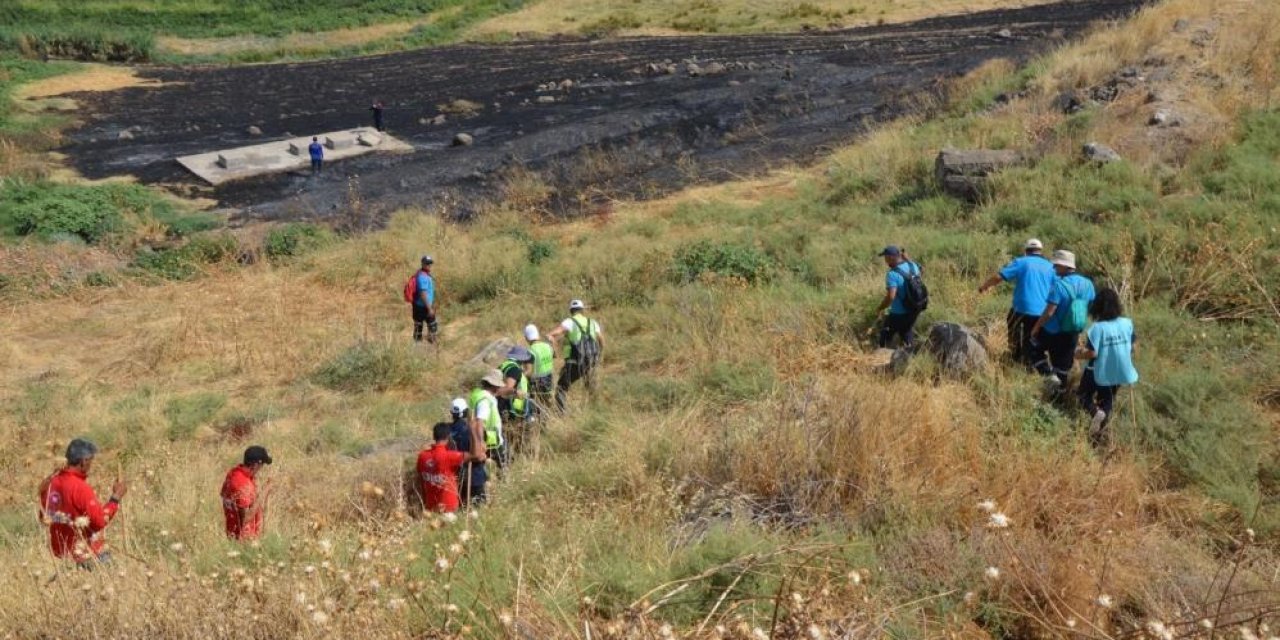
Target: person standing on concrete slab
[
  {"x": 376, "y": 108},
  {"x": 1033, "y": 277},
  {"x": 317, "y": 154}
]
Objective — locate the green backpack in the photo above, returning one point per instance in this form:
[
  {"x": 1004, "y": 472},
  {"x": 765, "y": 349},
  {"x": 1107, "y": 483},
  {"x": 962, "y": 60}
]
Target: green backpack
[{"x": 1077, "y": 317}]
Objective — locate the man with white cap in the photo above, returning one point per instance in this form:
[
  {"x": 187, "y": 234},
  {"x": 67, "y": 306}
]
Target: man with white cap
[
  {"x": 1057, "y": 331},
  {"x": 1032, "y": 276},
  {"x": 472, "y": 476},
  {"x": 544, "y": 367},
  {"x": 486, "y": 419},
  {"x": 583, "y": 351}
]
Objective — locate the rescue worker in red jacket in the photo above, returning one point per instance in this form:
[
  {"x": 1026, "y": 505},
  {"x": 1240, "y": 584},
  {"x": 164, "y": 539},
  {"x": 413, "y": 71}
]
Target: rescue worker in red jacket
[
  {"x": 71, "y": 509},
  {"x": 242, "y": 503}
]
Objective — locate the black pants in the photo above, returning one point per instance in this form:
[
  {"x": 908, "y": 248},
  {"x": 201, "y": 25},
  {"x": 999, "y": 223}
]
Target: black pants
[
  {"x": 316, "y": 165},
  {"x": 471, "y": 484},
  {"x": 542, "y": 389},
  {"x": 569, "y": 374},
  {"x": 1055, "y": 353},
  {"x": 900, "y": 324},
  {"x": 1094, "y": 396},
  {"x": 422, "y": 316},
  {"x": 1020, "y": 349},
  {"x": 377, "y": 119}
]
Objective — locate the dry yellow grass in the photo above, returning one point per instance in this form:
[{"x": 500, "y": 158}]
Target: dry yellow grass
[
  {"x": 668, "y": 17},
  {"x": 294, "y": 43},
  {"x": 87, "y": 77}
]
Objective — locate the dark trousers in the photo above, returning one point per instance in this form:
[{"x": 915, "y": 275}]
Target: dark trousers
[
  {"x": 1094, "y": 396},
  {"x": 542, "y": 389},
  {"x": 901, "y": 325},
  {"x": 316, "y": 165},
  {"x": 471, "y": 484},
  {"x": 1055, "y": 353},
  {"x": 377, "y": 119},
  {"x": 420, "y": 317},
  {"x": 1020, "y": 349},
  {"x": 569, "y": 374}
]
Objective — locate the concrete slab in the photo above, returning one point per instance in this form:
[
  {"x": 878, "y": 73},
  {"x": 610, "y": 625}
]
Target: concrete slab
[{"x": 217, "y": 167}]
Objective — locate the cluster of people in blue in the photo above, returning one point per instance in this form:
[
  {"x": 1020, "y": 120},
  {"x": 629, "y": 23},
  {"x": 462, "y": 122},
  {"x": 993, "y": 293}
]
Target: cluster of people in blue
[{"x": 1053, "y": 307}]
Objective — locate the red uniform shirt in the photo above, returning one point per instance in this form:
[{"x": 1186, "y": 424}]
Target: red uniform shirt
[
  {"x": 438, "y": 470},
  {"x": 239, "y": 493},
  {"x": 75, "y": 516}
]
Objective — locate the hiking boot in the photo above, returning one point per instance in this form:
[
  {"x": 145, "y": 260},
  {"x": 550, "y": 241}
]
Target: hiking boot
[{"x": 1096, "y": 424}]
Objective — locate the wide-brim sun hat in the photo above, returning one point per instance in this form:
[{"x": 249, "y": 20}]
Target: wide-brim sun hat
[
  {"x": 493, "y": 377},
  {"x": 576, "y": 305},
  {"x": 1064, "y": 258},
  {"x": 519, "y": 354},
  {"x": 1033, "y": 243}
]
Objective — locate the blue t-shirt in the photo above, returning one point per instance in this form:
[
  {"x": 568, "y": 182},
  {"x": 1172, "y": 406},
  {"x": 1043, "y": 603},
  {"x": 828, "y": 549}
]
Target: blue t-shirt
[
  {"x": 460, "y": 434},
  {"x": 1113, "y": 341},
  {"x": 317, "y": 151},
  {"x": 1033, "y": 277},
  {"x": 1073, "y": 286},
  {"x": 428, "y": 284},
  {"x": 896, "y": 278}
]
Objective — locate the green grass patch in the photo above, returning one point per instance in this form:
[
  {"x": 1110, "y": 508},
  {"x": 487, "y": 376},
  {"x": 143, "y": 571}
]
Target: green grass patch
[{"x": 367, "y": 366}]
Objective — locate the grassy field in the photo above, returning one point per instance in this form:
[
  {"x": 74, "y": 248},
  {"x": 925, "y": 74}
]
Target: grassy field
[
  {"x": 663, "y": 17},
  {"x": 743, "y": 472}
]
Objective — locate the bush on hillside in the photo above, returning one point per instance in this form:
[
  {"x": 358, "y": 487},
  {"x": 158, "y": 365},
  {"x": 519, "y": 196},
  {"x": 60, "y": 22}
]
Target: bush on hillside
[
  {"x": 370, "y": 367},
  {"x": 186, "y": 261},
  {"x": 185, "y": 414},
  {"x": 90, "y": 45},
  {"x": 91, "y": 213},
  {"x": 723, "y": 259},
  {"x": 295, "y": 239}
]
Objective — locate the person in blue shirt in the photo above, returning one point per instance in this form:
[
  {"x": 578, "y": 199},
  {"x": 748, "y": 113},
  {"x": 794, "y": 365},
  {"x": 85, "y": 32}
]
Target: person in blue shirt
[
  {"x": 1109, "y": 346},
  {"x": 472, "y": 476},
  {"x": 424, "y": 303},
  {"x": 1032, "y": 276},
  {"x": 900, "y": 320},
  {"x": 317, "y": 154},
  {"x": 1053, "y": 338}
]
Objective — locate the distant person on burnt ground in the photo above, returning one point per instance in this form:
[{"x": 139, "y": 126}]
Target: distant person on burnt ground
[
  {"x": 317, "y": 155},
  {"x": 1033, "y": 277},
  {"x": 420, "y": 293},
  {"x": 376, "y": 108},
  {"x": 1109, "y": 345}
]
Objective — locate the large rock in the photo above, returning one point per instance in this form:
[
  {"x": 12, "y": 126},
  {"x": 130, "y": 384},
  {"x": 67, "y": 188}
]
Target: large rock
[
  {"x": 958, "y": 350},
  {"x": 1100, "y": 153},
  {"x": 463, "y": 140},
  {"x": 492, "y": 354},
  {"x": 964, "y": 173}
]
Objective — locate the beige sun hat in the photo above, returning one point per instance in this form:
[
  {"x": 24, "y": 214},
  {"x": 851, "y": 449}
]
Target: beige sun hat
[
  {"x": 1064, "y": 258},
  {"x": 494, "y": 377}
]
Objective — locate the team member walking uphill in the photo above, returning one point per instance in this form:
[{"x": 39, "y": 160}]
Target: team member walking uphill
[
  {"x": 438, "y": 469},
  {"x": 903, "y": 307},
  {"x": 1033, "y": 278},
  {"x": 1057, "y": 330},
  {"x": 1109, "y": 346},
  {"x": 243, "y": 505},
  {"x": 70, "y": 508},
  {"x": 586, "y": 345}
]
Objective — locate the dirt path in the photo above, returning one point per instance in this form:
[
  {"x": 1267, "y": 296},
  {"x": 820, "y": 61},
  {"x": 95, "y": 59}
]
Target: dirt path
[{"x": 621, "y": 129}]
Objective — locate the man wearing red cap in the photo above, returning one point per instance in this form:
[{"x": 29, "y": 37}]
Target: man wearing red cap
[
  {"x": 71, "y": 510},
  {"x": 242, "y": 503}
]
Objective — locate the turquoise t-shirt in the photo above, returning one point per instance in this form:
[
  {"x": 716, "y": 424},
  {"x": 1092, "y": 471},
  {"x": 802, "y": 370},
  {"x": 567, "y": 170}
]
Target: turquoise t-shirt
[
  {"x": 1032, "y": 278},
  {"x": 1113, "y": 341},
  {"x": 425, "y": 284},
  {"x": 1073, "y": 286},
  {"x": 896, "y": 279}
]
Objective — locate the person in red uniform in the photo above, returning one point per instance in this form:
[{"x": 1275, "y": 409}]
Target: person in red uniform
[
  {"x": 71, "y": 509},
  {"x": 242, "y": 504},
  {"x": 438, "y": 470}
]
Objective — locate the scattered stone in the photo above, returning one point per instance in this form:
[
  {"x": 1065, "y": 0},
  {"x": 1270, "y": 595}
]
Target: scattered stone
[
  {"x": 1181, "y": 24},
  {"x": 714, "y": 69},
  {"x": 439, "y": 119},
  {"x": 1004, "y": 34},
  {"x": 254, "y": 131},
  {"x": 959, "y": 350},
  {"x": 693, "y": 69},
  {"x": 125, "y": 135},
  {"x": 1130, "y": 72},
  {"x": 965, "y": 173},
  {"x": 423, "y": 121},
  {"x": 491, "y": 354},
  {"x": 734, "y": 83},
  {"x": 1100, "y": 153},
  {"x": 546, "y": 99},
  {"x": 463, "y": 140},
  {"x": 566, "y": 85},
  {"x": 1068, "y": 102},
  {"x": 1164, "y": 118}
]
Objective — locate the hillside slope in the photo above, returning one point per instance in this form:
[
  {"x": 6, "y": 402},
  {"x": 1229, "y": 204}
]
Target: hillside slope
[{"x": 744, "y": 472}]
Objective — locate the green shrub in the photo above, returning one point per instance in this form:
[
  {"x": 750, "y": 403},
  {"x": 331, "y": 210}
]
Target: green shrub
[
  {"x": 724, "y": 259},
  {"x": 186, "y": 261},
  {"x": 185, "y": 414},
  {"x": 540, "y": 251},
  {"x": 295, "y": 239},
  {"x": 90, "y": 213},
  {"x": 370, "y": 367}
]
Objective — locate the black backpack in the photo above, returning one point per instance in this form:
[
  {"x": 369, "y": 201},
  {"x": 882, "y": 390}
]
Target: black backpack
[
  {"x": 915, "y": 295},
  {"x": 587, "y": 351}
]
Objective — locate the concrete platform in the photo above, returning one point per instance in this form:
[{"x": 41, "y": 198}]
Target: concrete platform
[{"x": 217, "y": 167}]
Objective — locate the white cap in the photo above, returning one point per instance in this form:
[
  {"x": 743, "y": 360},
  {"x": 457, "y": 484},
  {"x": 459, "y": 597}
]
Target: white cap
[
  {"x": 576, "y": 305},
  {"x": 530, "y": 332},
  {"x": 1064, "y": 258},
  {"x": 1033, "y": 243},
  {"x": 458, "y": 406}
]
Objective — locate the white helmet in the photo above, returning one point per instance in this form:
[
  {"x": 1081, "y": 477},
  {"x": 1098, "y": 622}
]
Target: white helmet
[
  {"x": 458, "y": 407},
  {"x": 531, "y": 332}
]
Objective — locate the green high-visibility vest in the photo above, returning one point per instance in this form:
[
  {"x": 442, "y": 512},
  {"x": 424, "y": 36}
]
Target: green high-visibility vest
[
  {"x": 517, "y": 403},
  {"x": 543, "y": 359},
  {"x": 493, "y": 425},
  {"x": 577, "y": 331}
]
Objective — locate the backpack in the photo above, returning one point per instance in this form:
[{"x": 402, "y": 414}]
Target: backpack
[
  {"x": 411, "y": 288},
  {"x": 587, "y": 351},
  {"x": 915, "y": 295},
  {"x": 1077, "y": 317}
]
